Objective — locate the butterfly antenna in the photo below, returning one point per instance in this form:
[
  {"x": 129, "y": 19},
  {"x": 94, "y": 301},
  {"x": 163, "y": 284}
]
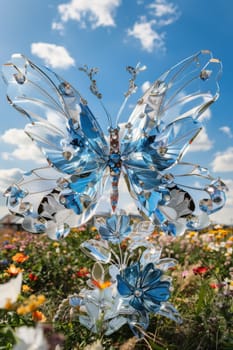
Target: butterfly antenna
[
  {"x": 90, "y": 72},
  {"x": 132, "y": 86}
]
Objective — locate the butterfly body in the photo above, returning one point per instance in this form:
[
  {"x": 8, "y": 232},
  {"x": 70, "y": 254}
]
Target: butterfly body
[{"x": 114, "y": 163}]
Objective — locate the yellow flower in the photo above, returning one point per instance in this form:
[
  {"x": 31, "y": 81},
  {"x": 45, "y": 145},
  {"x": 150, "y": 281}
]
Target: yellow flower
[
  {"x": 20, "y": 257},
  {"x": 191, "y": 234},
  {"x": 31, "y": 304},
  {"x": 56, "y": 244},
  {"x": 22, "y": 310},
  {"x": 219, "y": 237},
  {"x": 41, "y": 299},
  {"x": 8, "y": 305},
  {"x": 26, "y": 288}
]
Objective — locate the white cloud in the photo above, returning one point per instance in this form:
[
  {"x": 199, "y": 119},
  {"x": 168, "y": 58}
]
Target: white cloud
[
  {"x": 145, "y": 86},
  {"x": 227, "y": 131},
  {"x": 59, "y": 26},
  {"x": 148, "y": 28},
  {"x": 202, "y": 142},
  {"x": 206, "y": 115},
  {"x": 149, "y": 38},
  {"x": 225, "y": 215},
  {"x": 229, "y": 194},
  {"x": 97, "y": 13},
  {"x": 25, "y": 149},
  {"x": 165, "y": 12},
  {"x": 53, "y": 55},
  {"x": 223, "y": 161},
  {"x": 9, "y": 176}
]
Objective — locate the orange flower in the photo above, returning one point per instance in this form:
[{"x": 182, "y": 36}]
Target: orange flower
[
  {"x": 101, "y": 285},
  {"x": 20, "y": 257},
  {"x": 13, "y": 270},
  {"x": 38, "y": 316}
]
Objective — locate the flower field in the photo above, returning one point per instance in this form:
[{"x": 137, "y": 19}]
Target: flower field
[{"x": 202, "y": 292}]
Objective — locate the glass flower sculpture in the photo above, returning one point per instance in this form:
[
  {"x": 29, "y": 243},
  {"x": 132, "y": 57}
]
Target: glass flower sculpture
[
  {"x": 126, "y": 286},
  {"x": 147, "y": 151}
]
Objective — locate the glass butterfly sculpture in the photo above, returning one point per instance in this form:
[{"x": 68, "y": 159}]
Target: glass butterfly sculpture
[{"x": 146, "y": 151}]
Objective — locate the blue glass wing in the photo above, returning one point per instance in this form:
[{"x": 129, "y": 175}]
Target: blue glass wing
[
  {"x": 163, "y": 124},
  {"x": 49, "y": 202},
  {"x": 182, "y": 197},
  {"x": 177, "y": 98},
  {"x": 62, "y": 124},
  {"x": 66, "y": 131}
]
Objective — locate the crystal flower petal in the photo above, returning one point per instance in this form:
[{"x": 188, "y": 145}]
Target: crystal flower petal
[{"x": 144, "y": 288}]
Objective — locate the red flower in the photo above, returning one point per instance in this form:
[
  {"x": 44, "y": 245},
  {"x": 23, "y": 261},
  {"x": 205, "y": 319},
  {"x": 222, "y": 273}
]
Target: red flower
[
  {"x": 83, "y": 272},
  {"x": 201, "y": 270},
  {"x": 33, "y": 277},
  {"x": 216, "y": 285}
]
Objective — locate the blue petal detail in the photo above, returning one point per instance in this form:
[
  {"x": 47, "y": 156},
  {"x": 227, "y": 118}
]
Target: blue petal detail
[
  {"x": 144, "y": 288},
  {"x": 116, "y": 228},
  {"x": 123, "y": 287}
]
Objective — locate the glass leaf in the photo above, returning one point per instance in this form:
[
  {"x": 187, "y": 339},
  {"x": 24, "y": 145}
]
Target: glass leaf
[
  {"x": 151, "y": 254},
  {"x": 97, "y": 250},
  {"x": 169, "y": 311},
  {"x": 98, "y": 272}
]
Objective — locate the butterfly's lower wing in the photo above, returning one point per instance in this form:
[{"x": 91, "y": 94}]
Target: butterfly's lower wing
[
  {"x": 62, "y": 125},
  {"x": 176, "y": 199},
  {"x": 53, "y": 202},
  {"x": 161, "y": 127}
]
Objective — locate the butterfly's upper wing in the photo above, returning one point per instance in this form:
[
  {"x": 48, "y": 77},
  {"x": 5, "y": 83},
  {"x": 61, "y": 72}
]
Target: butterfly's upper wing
[
  {"x": 63, "y": 127},
  {"x": 163, "y": 124},
  {"x": 166, "y": 119}
]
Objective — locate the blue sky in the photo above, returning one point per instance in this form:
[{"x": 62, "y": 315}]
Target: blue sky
[{"x": 112, "y": 34}]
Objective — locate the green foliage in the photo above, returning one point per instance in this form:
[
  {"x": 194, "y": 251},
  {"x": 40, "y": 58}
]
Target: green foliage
[{"x": 202, "y": 290}]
